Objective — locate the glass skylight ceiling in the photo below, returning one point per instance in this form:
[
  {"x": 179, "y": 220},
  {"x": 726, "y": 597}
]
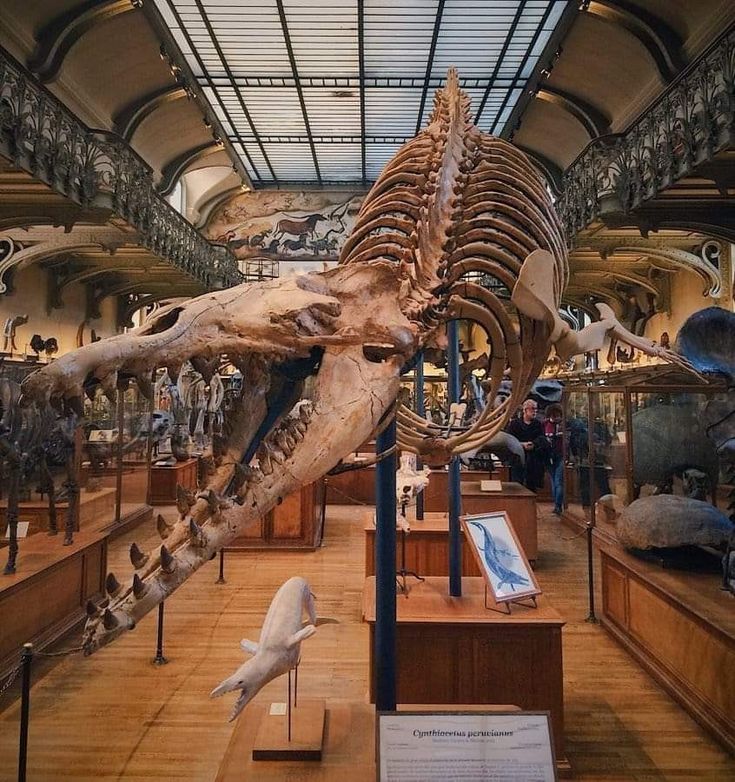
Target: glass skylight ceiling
[{"x": 326, "y": 91}]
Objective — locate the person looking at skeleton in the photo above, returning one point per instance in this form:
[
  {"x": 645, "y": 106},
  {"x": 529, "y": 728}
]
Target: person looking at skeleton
[{"x": 530, "y": 433}]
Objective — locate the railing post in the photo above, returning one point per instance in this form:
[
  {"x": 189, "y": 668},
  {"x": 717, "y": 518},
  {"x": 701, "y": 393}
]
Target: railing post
[
  {"x": 159, "y": 659},
  {"x": 25, "y": 705}
]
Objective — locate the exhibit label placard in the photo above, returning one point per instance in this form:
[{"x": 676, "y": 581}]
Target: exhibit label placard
[{"x": 465, "y": 747}]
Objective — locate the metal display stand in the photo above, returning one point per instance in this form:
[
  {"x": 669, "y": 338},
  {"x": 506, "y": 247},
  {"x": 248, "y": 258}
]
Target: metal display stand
[{"x": 403, "y": 572}]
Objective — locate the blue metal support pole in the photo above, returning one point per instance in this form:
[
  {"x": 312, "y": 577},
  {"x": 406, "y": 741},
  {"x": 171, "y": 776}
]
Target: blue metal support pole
[
  {"x": 418, "y": 379},
  {"x": 455, "y": 501},
  {"x": 384, "y": 651}
]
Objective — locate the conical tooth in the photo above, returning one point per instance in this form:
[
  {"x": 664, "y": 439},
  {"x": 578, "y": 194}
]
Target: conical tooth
[
  {"x": 137, "y": 557},
  {"x": 300, "y": 427},
  {"x": 139, "y": 587},
  {"x": 109, "y": 385},
  {"x": 109, "y": 620},
  {"x": 278, "y": 456},
  {"x": 306, "y": 410},
  {"x": 168, "y": 563},
  {"x": 91, "y": 609},
  {"x": 112, "y": 585},
  {"x": 196, "y": 533},
  {"x": 297, "y": 435},
  {"x": 184, "y": 500},
  {"x": 145, "y": 386},
  {"x": 163, "y": 529},
  {"x": 282, "y": 440},
  {"x": 265, "y": 463}
]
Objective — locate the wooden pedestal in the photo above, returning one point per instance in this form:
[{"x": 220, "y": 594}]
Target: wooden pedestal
[
  {"x": 295, "y": 523},
  {"x": 436, "y": 494},
  {"x": 165, "y": 479},
  {"x": 95, "y": 509},
  {"x": 680, "y": 626},
  {"x": 307, "y": 733},
  {"x": 427, "y": 547},
  {"x": 518, "y": 502},
  {"x": 454, "y": 650},
  {"x": 427, "y": 544},
  {"x": 48, "y": 593}
]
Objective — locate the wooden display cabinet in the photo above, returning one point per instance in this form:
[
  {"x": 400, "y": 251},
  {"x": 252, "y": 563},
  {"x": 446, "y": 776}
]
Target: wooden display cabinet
[
  {"x": 427, "y": 544},
  {"x": 454, "y": 650},
  {"x": 296, "y": 523},
  {"x": 47, "y": 595},
  {"x": 165, "y": 479},
  {"x": 680, "y": 626},
  {"x": 93, "y": 508}
]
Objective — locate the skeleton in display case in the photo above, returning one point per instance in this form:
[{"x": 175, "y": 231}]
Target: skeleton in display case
[{"x": 331, "y": 345}]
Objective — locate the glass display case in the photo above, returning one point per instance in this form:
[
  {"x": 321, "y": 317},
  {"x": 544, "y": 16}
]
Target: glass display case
[{"x": 637, "y": 432}]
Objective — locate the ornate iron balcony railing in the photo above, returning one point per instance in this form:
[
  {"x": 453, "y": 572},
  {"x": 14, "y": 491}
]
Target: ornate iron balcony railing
[
  {"x": 96, "y": 168},
  {"x": 687, "y": 126}
]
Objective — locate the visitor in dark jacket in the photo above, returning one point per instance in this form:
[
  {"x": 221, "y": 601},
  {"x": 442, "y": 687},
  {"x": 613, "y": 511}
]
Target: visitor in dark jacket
[
  {"x": 555, "y": 453},
  {"x": 529, "y": 431}
]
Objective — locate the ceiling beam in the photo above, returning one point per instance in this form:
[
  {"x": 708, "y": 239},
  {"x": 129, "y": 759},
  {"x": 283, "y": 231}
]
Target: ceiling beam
[
  {"x": 361, "y": 63},
  {"x": 499, "y": 61},
  {"x": 299, "y": 91},
  {"x": 127, "y": 120},
  {"x": 430, "y": 62},
  {"x": 215, "y": 42},
  {"x": 56, "y": 38},
  {"x": 591, "y": 118},
  {"x": 173, "y": 171},
  {"x": 540, "y": 71},
  {"x": 659, "y": 39}
]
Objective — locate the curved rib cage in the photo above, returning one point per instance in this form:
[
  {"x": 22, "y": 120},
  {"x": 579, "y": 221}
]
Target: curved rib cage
[
  {"x": 455, "y": 202},
  {"x": 322, "y": 353}
]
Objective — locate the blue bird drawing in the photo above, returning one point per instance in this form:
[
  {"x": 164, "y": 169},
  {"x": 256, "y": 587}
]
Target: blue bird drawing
[{"x": 492, "y": 556}]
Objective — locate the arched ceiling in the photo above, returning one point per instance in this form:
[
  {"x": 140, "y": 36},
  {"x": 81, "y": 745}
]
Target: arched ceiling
[
  {"x": 617, "y": 57},
  {"x": 105, "y": 60},
  {"x": 614, "y": 57}
]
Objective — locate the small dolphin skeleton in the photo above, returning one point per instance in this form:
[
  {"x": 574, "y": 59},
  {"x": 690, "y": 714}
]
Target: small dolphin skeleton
[
  {"x": 492, "y": 555},
  {"x": 279, "y": 647}
]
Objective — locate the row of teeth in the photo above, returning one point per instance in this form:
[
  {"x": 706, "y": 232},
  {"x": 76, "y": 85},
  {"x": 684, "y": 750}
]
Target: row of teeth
[
  {"x": 276, "y": 447},
  {"x": 281, "y": 442}
]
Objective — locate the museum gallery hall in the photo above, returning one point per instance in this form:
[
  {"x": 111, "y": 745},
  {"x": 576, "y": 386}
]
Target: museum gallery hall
[{"x": 367, "y": 390}]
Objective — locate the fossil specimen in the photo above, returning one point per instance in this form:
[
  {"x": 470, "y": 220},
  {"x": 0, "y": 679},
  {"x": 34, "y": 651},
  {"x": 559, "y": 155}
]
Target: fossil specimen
[{"x": 321, "y": 354}]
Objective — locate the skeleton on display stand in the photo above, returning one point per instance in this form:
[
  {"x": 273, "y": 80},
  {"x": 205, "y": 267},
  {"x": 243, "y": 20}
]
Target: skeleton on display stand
[{"x": 321, "y": 354}]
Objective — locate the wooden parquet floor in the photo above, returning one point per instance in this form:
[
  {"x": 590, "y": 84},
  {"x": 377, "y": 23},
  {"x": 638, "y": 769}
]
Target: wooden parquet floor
[{"x": 115, "y": 716}]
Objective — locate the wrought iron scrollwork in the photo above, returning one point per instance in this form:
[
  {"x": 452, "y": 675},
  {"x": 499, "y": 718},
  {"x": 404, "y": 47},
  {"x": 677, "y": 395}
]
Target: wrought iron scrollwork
[
  {"x": 42, "y": 137},
  {"x": 689, "y": 124}
]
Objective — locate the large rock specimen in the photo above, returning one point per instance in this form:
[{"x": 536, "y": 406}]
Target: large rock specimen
[{"x": 667, "y": 520}]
